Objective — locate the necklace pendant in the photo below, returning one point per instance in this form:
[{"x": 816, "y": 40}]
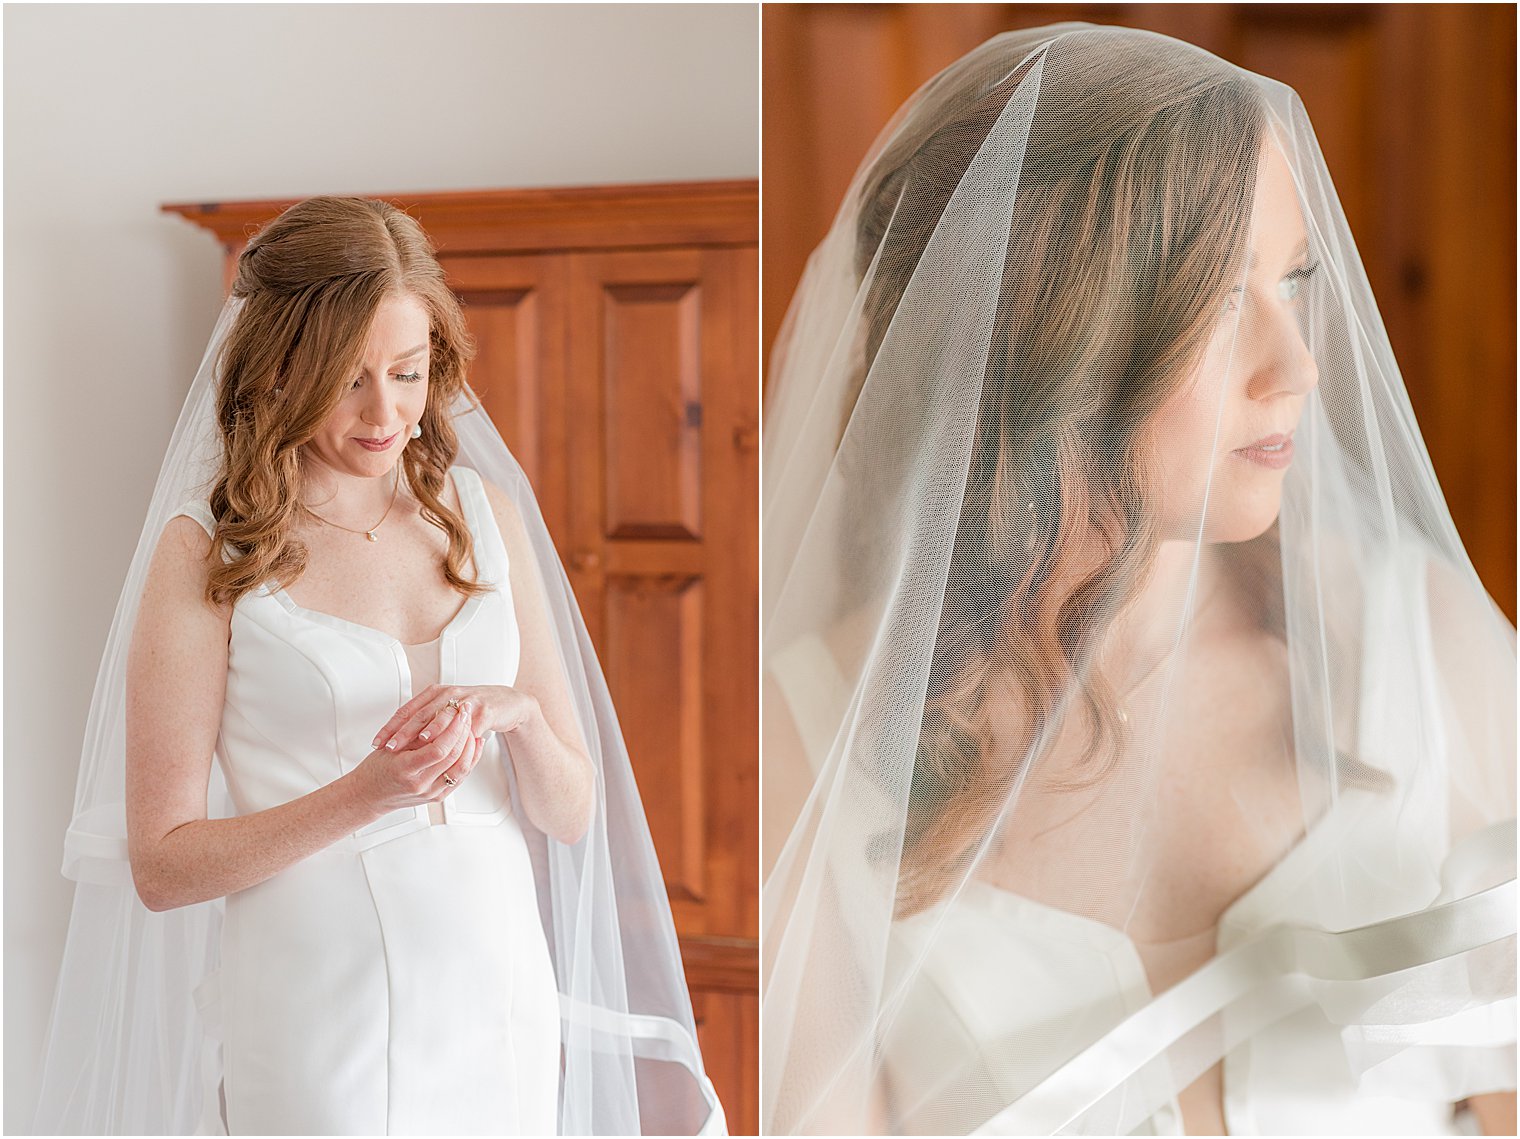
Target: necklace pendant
[{"x": 370, "y": 534}]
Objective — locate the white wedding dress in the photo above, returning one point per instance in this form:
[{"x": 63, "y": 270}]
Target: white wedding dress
[
  {"x": 398, "y": 981},
  {"x": 993, "y": 964}
]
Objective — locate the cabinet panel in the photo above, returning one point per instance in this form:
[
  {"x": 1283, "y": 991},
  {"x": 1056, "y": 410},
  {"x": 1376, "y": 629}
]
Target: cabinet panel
[
  {"x": 653, "y": 639},
  {"x": 652, "y": 392}
]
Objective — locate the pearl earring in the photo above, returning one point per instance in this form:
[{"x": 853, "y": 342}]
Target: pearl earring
[{"x": 416, "y": 431}]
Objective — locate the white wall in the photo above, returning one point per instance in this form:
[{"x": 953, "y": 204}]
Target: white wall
[{"x": 111, "y": 111}]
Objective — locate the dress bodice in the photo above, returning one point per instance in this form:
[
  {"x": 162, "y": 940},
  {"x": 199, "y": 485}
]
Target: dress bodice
[
  {"x": 397, "y": 981},
  {"x": 307, "y": 691}
]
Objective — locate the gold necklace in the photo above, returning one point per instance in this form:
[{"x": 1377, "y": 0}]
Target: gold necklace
[
  {"x": 370, "y": 533},
  {"x": 1123, "y": 708}
]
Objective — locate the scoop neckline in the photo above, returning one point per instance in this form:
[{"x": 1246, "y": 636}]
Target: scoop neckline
[
  {"x": 369, "y": 632},
  {"x": 1280, "y": 876}
]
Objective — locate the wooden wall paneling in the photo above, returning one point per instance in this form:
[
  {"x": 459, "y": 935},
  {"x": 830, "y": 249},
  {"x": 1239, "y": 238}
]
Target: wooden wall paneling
[
  {"x": 1467, "y": 407},
  {"x": 652, "y": 393},
  {"x": 725, "y": 1021},
  {"x": 652, "y": 630},
  {"x": 731, "y": 458}
]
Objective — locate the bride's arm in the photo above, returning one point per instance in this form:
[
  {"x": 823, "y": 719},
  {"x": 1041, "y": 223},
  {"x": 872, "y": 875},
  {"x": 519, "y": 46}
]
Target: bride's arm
[
  {"x": 555, "y": 779},
  {"x": 176, "y": 684},
  {"x": 1495, "y": 1112}
]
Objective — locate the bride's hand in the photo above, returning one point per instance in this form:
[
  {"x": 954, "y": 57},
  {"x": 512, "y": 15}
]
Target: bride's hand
[
  {"x": 494, "y": 707},
  {"x": 393, "y": 778}
]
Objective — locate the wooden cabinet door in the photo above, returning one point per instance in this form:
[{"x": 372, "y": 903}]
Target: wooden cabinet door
[{"x": 663, "y": 473}]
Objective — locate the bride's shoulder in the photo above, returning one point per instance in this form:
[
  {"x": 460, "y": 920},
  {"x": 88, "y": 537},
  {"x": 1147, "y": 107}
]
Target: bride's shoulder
[{"x": 178, "y": 570}]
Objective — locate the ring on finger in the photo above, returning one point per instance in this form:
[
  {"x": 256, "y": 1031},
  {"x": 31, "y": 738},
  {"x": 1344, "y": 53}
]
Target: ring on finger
[
  {"x": 454, "y": 704},
  {"x": 450, "y": 780}
]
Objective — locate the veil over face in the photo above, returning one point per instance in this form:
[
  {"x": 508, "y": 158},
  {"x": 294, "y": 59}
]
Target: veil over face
[{"x": 1131, "y": 702}]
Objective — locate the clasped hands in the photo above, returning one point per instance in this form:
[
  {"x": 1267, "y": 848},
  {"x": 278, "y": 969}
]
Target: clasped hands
[{"x": 429, "y": 746}]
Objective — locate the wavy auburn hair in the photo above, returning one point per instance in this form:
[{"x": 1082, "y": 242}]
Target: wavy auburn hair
[
  {"x": 1130, "y": 226},
  {"x": 311, "y": 282}
]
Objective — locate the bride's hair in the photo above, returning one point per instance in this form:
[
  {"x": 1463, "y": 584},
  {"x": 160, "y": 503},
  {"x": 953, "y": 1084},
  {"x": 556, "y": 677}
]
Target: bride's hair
[
  {"x": 1131, "y": 221},
  {"x": 312, "y": 280}
]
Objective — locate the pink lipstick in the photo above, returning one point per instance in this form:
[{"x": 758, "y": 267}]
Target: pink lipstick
[
  {"x": 377, "y": 444},
  {"x": 1273, "y": 451}
]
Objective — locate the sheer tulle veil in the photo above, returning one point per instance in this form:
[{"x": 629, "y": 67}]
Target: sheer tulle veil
[
  {"x": 1114, "y": 622},
  {"x": 132, "y": 1043}
]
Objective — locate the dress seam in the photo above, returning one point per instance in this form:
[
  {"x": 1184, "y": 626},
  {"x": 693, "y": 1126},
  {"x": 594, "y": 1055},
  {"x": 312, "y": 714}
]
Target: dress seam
[{"x": 390, "y": 1037}]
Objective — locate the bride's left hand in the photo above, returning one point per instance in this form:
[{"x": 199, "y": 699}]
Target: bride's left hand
[{"x": 493, "y": 708}]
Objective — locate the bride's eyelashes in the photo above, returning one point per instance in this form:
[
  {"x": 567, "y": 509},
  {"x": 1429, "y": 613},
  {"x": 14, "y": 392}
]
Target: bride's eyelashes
[
  {"x": 1293, "y": 284},
  {"x": 1289, "y": 287},
  {"x": 404, "y": 377}
]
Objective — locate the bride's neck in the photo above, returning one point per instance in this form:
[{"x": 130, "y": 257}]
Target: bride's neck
[
  {"x": 330, "y": 491},
  {"x": 1181, "y": 578}
]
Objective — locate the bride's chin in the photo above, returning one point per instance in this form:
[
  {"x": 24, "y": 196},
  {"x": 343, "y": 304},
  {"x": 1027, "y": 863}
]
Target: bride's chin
[
  {"x": 1245, "y": 522},
  {"x": 1230, "y": 519}
]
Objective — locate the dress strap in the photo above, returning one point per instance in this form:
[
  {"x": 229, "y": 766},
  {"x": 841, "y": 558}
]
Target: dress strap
[
  {"x": 490, "y": 551},
  {"x": 200, "y": 510}
]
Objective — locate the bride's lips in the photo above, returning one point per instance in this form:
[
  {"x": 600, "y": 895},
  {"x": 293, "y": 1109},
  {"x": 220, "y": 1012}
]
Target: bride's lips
[
  {"x": 373, "y": 445},
  {"x": 1274, "y": 451}
]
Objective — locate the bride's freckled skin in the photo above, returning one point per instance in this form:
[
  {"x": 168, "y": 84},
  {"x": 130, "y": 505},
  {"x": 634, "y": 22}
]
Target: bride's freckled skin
[{"x": 1258, "y": 355}]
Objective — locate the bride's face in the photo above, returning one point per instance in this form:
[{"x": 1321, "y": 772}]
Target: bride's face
[
  {"x": 384, "y": 398},
  {"x": 1235, "y": 416}
]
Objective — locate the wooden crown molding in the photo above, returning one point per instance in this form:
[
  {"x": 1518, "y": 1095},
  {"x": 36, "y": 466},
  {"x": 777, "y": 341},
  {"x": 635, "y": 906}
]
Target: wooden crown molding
[{"x": 477, "y": 222}]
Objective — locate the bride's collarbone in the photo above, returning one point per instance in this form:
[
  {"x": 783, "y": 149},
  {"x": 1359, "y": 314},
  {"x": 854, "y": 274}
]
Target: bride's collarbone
[
  {"x": 395, "y": 584},
  {"x": 1218, "y": 819}
]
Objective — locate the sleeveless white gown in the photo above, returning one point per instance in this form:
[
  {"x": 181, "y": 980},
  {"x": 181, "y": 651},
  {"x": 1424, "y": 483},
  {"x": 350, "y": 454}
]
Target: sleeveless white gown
[{"x": 399, "y": 981}]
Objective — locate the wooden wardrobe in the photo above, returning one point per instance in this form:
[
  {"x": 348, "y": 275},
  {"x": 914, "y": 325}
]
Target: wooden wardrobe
[{"x": 617, "y": 348}]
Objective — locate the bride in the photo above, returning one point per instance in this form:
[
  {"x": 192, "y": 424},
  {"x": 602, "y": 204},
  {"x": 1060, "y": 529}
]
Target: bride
[
  {"x": 387, "y": 906},
  {"x": 1139, "y": 742}
]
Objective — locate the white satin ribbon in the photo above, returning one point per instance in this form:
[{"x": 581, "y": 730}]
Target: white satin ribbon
[
  {"x": 651, "y": 1038},
  {"x": 1351, "y": 955}
]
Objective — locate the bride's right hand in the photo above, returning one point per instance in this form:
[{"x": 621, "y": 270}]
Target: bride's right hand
[{"x": 391, "y": 780}]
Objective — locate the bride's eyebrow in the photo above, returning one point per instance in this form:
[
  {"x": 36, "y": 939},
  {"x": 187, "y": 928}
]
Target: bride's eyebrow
[{"x": 1300, "y": 251}]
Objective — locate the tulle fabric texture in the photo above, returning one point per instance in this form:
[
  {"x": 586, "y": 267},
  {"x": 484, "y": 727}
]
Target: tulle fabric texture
[
  {"x": 1041, "y": 641},
  {"x": 127, "y": 1049}
]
